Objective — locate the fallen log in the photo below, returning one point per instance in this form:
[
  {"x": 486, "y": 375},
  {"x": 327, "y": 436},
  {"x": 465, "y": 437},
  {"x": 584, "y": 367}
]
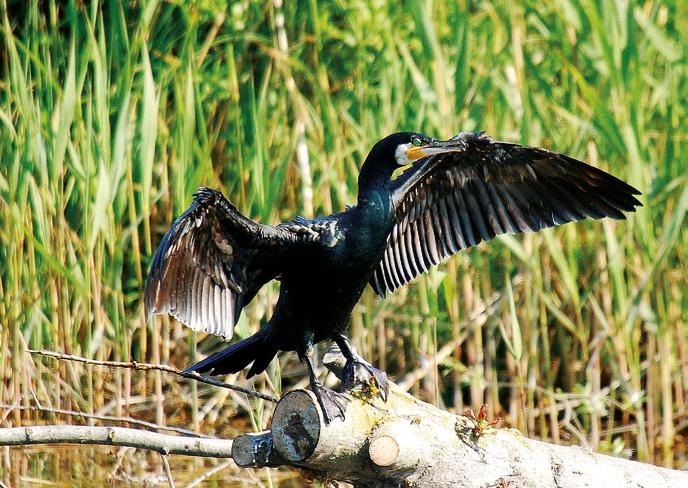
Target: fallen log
[{"x": 407, "y": 442}]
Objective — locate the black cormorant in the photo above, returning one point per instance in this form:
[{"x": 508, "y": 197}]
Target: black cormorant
[{"x": 454, "y": 194}]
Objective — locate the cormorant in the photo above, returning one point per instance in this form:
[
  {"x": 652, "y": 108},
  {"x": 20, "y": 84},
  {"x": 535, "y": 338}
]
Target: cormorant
[{"x": 454, "y": 194}]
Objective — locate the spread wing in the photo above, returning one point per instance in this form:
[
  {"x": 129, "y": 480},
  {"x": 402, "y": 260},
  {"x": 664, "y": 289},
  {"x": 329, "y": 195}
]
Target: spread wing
[
  {"x": 453, "y": 201},
  {"x": 211, "y": 263}
]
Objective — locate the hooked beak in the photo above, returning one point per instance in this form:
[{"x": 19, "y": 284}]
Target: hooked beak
[{"x": 415, "y": 153}]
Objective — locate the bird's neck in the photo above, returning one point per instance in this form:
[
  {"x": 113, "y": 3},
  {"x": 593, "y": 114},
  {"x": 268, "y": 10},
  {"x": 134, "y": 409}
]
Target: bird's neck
[
  {"x": 374, "y": 180},
  {"x": 375, "y": 203}
]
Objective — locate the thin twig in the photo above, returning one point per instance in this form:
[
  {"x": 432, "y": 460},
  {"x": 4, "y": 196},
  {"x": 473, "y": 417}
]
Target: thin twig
[
  {"x": 108, "y": 418},
  {"x": 168, "y": 471},
  {"x": 209, "y": 473},
  {"x": 160, "y": 367}
]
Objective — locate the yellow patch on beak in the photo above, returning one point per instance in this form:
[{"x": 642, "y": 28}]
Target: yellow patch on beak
[{"x": 414, "y": 153}]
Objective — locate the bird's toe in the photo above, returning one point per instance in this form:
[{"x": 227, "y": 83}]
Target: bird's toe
[{"x": 333, "y": 404}]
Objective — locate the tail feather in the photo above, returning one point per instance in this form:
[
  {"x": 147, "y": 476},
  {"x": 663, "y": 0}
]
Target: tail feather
[
  {"x": 237, "y": 356},
  {"x": 261, "y": 363}
]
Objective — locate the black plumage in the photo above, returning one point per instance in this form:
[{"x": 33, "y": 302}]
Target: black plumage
[
  {"x": 455, "y": 200},
  {"x": 453, "y": 195}
]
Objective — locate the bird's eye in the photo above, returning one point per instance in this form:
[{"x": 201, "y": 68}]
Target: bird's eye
[{"x": 416, "y": 141}]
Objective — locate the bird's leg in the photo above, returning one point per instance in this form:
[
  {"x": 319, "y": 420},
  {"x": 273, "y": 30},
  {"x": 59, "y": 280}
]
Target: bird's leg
[
  {"x": 358, "y": 371},
  {"x": 333, "y": 404}
]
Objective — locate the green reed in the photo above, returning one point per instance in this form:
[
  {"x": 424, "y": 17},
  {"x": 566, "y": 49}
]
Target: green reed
[{"x": 111, "y": 116}]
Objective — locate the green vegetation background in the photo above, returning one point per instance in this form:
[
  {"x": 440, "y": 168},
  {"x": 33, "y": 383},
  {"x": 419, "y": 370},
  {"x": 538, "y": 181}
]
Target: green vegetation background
[{"x": 112, "y": 115}]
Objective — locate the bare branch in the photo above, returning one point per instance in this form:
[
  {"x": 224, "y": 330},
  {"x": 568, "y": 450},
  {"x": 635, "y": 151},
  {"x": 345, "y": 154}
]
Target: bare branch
[
  {"x": 151, "y": 367},
  {"x": 116, "y": 436}
]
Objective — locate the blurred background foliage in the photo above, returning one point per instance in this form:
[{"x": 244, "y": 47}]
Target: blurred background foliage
[{"x": 113, "y": 113}]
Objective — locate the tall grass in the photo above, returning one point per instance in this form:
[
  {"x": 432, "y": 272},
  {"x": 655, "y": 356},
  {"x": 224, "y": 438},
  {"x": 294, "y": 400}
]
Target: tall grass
[{"x": 111, "y": 116}]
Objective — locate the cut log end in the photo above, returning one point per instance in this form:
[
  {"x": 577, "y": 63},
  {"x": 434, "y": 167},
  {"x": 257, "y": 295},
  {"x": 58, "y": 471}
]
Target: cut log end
[
  {"x": 255, "y": 450},
  {"x": 296, "y": 425},
  {"x": 383, "y": 450}
]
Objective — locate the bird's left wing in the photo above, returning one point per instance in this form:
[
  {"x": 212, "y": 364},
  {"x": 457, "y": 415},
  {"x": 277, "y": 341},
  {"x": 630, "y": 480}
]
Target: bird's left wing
[
  {"x": 211, "y": 263},
  {"x": 452, "y": 201}
]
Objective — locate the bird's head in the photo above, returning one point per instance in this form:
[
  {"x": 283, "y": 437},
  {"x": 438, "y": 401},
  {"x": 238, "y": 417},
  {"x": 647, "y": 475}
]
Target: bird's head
[{"x": 399, "y": 150}]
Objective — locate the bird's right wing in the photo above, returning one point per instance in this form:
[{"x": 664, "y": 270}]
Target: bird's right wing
[{"x": 211, "y": 263}]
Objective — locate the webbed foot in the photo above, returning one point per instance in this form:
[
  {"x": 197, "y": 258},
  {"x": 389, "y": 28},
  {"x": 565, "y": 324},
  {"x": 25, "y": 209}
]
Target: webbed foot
[
  {"x": 333, "y": 404},
  {"x": 359, "y": 372}
]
